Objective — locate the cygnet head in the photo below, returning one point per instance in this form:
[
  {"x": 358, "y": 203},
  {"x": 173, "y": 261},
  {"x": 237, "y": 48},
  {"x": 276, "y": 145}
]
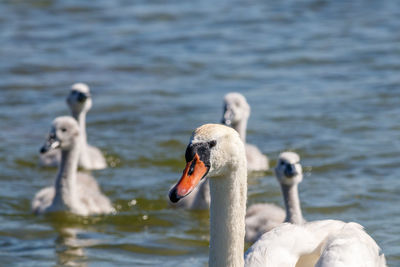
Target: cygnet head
[
  {"x": 63, "y": 134},
  {"x": 213, "y": 149},
  {"x": 79, "y": 99},
  {"x": 288, "y": 170},
  {"x": 236, "y": 109}
]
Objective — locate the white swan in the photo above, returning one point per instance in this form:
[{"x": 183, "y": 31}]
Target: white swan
[
  {"x": 217, "y": 151},
  {"x": 74, "y": 192},
  {"x": 91, "y": 158},
  {"x": 263, "y": 217},
  {"x": 236, "y": 114}
]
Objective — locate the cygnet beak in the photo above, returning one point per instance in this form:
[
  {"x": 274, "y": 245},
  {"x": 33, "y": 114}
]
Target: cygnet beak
[
  {"x": 226, "y": 122},
  {"x": 82, "y": 97},
  {"x": 290, "y": 170},
  {"x": 51, "y": 143},
  {"x": 194, "y": 171},
  {"x": 227, "y": 117}
]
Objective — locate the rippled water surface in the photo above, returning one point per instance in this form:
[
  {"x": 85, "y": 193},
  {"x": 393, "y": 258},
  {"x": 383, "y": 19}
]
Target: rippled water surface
[{"x": 322, "y": 78}]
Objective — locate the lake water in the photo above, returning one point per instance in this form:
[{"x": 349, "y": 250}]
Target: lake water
[{"x": 322, "y": 78}]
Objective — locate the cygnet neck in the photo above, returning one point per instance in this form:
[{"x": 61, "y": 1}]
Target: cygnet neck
[
  {"x": 84, "y": 159},
  {"x": 227, "y": 218},
  {"x": 80, "y": 117},
  {"x": 65, "y": 187},
  {"x": 241, "y": 127},
  {"x": 292, "y": 203}
]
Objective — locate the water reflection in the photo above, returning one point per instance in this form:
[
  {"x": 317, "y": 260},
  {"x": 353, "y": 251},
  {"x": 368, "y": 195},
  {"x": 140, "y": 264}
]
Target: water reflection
[
  {"x": 69, "y": 248},
  {"x": 73, "y": 237}
]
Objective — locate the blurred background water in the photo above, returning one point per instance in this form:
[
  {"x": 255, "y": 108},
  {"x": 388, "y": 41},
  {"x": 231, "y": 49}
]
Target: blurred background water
[{"x": 322, "y": 78}]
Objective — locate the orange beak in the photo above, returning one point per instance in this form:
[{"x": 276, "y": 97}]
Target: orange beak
[{"x": 194, "y": 171}]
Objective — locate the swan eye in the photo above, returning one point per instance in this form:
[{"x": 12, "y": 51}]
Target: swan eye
[
  {"x": 63, "y": 130},
  {"x": 212, "y": 143},
  {"x": 191, "y": 169}
]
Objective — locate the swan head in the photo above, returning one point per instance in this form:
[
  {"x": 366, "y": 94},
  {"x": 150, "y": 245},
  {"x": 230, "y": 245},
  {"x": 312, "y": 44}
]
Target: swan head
[
  {"x": 63, "y": 134},
  {"x": 236, "y": 109},
  {"x": 79, "y": 99},
  {"x": 214, "y": 150},
  {"x": 288, "y": 169}
]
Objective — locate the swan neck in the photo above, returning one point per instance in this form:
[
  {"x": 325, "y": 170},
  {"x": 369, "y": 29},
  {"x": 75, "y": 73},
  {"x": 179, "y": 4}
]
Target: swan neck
[
  {"x": 65, "y": 187},
  {"x": 292, "y": 204},
  {"x": 227, "y": 219},
  {"x": 241, "y": 127}
]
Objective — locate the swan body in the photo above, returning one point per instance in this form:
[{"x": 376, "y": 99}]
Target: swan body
[
  {"x": 261, "y": 218},
  {"x": 351, "y": 246},
  {"x": 79, "y": 102},
  {"x": 217, "y": 151},
  {"x": 290, "y": 245},
  {"x": 75, "y": 192},
  {"x": 257, "y": 161},
  {"x": 326, "y": 243},
  {"x": 236, "y": 114},
  {"x": 88, "y": 191}
]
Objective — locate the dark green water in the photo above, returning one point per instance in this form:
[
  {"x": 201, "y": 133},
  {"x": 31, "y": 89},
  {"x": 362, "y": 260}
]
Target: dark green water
[{"x": 322, "y": 78}]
